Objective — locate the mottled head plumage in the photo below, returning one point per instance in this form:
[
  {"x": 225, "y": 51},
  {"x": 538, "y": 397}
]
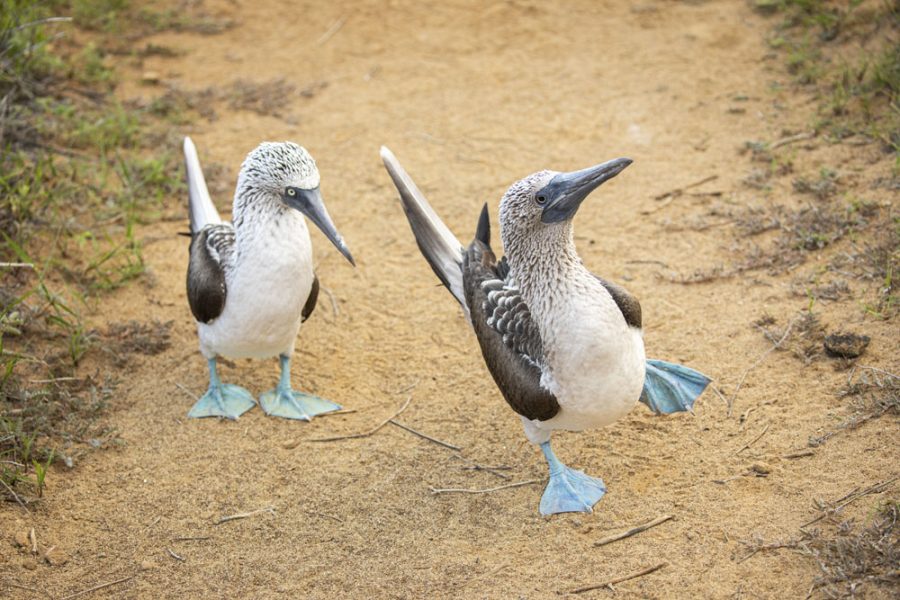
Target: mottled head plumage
[
  {"x": 273, "y": 166},
  {"x": 520, "y": 208},
  {"x": 529, "y": 243}
]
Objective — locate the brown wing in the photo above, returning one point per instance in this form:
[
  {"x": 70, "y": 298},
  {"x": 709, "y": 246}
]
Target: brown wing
[
  {"x": 510, "y": 340},
  {"x": 211, "y": 248},
  {"x": 310, "y": 305},
  {"x": 628, "y": 304}
]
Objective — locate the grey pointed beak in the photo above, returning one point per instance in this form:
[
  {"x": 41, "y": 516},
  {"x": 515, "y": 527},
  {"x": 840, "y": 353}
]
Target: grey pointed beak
[
  {"x": 310, "y": 203},
  {"x": 565, "y": 192}
]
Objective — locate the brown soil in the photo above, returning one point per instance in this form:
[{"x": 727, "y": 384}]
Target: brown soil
[{"x": 471, "y": 97}]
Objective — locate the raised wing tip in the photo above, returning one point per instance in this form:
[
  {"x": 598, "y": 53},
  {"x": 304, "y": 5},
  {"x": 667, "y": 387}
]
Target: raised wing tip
[
  {"x": 387, "y": 156},
  {"x": 189, "y": 145}
]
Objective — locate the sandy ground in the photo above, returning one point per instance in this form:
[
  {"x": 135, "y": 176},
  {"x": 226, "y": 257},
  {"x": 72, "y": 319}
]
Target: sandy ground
[{"x": 472, "y": 97}]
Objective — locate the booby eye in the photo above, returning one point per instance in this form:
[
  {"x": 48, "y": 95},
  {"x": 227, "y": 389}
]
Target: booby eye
[
  {"x": 291, "y": 192},
  {"x": 540, "y": 199}
]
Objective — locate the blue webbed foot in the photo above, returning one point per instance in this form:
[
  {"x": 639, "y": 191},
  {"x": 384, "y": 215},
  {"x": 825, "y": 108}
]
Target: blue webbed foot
[
  {"x": 670, "y": 388},
  {"x": 568, "y": 490},
  {"x": 285, "y": 402},
  {"x": 223, "y": 400}
]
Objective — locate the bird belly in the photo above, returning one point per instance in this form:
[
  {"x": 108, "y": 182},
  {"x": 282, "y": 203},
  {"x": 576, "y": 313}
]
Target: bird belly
[
  {"x": 597, "y": 375},
  {"x": 263, "y": 306}
]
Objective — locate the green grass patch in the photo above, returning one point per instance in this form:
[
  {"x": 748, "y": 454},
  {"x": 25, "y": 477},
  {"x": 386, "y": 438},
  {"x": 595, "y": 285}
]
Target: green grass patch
[
  {"x": 78, "y": 171},
  {"x": 849, "y": 54}
]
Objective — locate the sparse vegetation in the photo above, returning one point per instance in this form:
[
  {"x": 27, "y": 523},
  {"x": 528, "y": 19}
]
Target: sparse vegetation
[
  {"x": 848, "y": 52},
  {"x": 77, "y": 173}
]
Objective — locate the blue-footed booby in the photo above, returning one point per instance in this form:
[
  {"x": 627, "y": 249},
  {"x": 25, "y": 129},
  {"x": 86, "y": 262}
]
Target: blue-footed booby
[
  {"x": 564, "y": 346},
  {"x": 250, "y": 282}
]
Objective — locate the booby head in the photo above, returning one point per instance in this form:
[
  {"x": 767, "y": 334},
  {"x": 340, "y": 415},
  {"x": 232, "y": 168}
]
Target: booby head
[
  {"x": 549, "y": 197},
  {"x": 284, "y": 172}
]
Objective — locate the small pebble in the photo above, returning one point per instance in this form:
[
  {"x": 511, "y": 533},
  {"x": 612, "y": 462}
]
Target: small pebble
[
  {"x": 761, "y": 468},
  {"x": 56, "y": 557},
  {"x": 21, "y": 539},
  {"x": 846, "y": 345}
]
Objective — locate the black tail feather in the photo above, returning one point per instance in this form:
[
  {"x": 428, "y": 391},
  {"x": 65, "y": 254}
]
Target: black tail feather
[{"x": 483, "y": 231}]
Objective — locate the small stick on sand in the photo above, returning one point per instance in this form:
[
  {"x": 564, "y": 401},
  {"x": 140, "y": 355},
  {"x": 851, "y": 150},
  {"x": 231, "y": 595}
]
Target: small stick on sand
[
  {"x": 808, "y": 135},
  {"x": 754, "y": 440},
  {"x": 407, "y": 388},
  {"x": 366, "y": 433},
  {"x": 634, "y": 531},
  {"x": 97, "y": 587},
  {"x": 491, "y": 470},
  {"x": 423, "y": 436},
  {"x": 721, "y": 396},
  {"x": 187, "y": 391},
  {"x": 335, "y": 27},
  {"x": 852, "y": 497},
  {"x": 732, "y": 478},
  {"x": 16, "y": 265},
  {"x": 773, "y": 546},
  {"x": 175, "y": 556},
  {"x": 647, "y": 262},
  {"x": 611, "y": 582},
  {"x": 485, "y": 491},
  {"x": 191, "y": 538},
  {"x": 268, "y": 509},
  {"x": 33, "y": 538},
  {"x": 335, "y": 311},
  {"x": 14, "y": 495},
  {"x": 679, "y": 191},
  {"x": 758, "y": 361},
  {"x": 799, "y": 454}
]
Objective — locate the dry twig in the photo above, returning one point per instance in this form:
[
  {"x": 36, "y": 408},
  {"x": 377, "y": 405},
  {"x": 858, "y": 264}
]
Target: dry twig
[
  {"x": 175, "y": 556},
  {"x": 774, "y": 546},
  {"x": 633, "y": 531},
  {"x": 14, "y": 495},
  {"x": 754, "y": 440},
  {"x": 423, "y": 436},
  {"x": 335, "y": 27},
  {"x": 335, "y": 311},
  {"x": 849, "y": 498},
  {"x": 268, "y": 509},
  {"x": 793, "y": 138},
  {"x": 492, "y": 470},
  {"x": 799, "y": 454},
  {"x": 485, "y": 491},
  {"x": 366, "y": 433},
  {"x": 187, "y": 391},
  {"x": 679, "y": 191},
  {"x": 97, "y": 587},
  {"x": 611, "y": 582}
]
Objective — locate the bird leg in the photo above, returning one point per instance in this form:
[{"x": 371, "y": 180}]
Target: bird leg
[
  {"x": 283, "y": 401},
  {"x": 222, "y": 399},
  {"x": 568, "y": 490}
]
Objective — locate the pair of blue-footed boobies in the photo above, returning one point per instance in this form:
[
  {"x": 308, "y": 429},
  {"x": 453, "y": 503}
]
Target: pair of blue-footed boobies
[
  {"x": 564, "y": 346},
  {"x": 250, "y": 282}
]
